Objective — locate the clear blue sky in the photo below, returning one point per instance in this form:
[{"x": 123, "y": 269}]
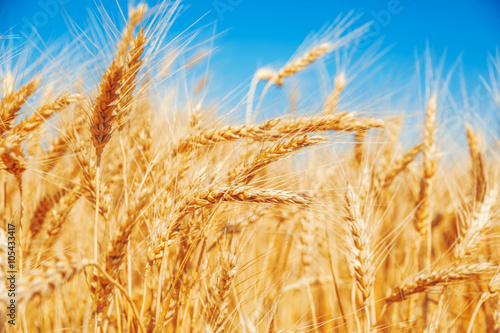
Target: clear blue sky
[{"x": 258, "y": 32}]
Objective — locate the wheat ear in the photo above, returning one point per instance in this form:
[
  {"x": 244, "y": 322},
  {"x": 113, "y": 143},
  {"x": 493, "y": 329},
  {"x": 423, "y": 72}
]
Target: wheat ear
[
  {"x": 136, "y": 15},
  {"x": 51, "y": 274},
  {"x": 58, "y": 215},
  {"x": 492, "y": 291},
  {"x": 245, "y": 170},
  {"x": 277, "y": 128},
  {"x": 359, "y": 146},
  {"x": 332, "y": 100},
  {"x": 472, "y": 231},
  {"x": 42, "y": 209},
  {"x": 399, "y": 166},
  {"x": 301, "y": 62},
  {"x": 220, "y": 295},
  {"x": 198, "y": 200},
  {"x": 423, "y": 214},
  {"x": 12, "y": 103},
  {"x": 242, "y": 194},
  {"x": 37, "y": 118},
  {"x": 478, "y": 172},
  {"x": 129, "y": 80},
  {"x": 392, "y": 131},
  {"x": 14, "y": 162},
  {"x": 101, "y": 125},
  {"x": 361, "y": 258},
  {"x": 424, "y": 281},
  {"x": 101, "y": 287}
]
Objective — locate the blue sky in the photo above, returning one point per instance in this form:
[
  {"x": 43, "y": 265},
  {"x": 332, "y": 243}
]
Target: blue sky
[
  {"x": 256, "y": 33},
  {"x": 259, "y": 32}
]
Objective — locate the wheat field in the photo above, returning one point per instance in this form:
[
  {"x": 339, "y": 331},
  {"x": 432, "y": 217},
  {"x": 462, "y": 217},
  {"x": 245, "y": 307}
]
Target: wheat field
[{"x": 132, "y": 202}]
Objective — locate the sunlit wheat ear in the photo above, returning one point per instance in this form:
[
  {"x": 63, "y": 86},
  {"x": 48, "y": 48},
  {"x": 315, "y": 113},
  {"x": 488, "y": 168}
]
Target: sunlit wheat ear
[
  {"x": 197, "y": 200},
  {"x": 277, "y": 128},
  {"x": 8, "y": 82},
  {"x": 266, "y": 74},
  {"x": 13, "y": 159},
  {"x": 392, "y": 131},
  {"x": 242, "y": 194},
  {"x": 245, "y": 171},
  {"x": 429, "y": 151},
  {"x": 398, "y": 166},
  {"x": 288, "y": 70},
  {"x": 103, "y": 110},
  {"x": 424, "y": 281},
  {"x": 361, "y": 257},
  {"x": 478, "y": 171},
  {"x": 359, "y": 146},
  {"x": 324, "y": 45},
  {"x": 14, "y": 162},
  {"x": 492, "y": 291},
  {"x": 474, "y": 227},
  {"x": 300, "y": 63},
  {"x": 43, "y": 280},
  {"x": 130, "y": 72},
  {"x": 12, "y": 103},
  {"x": 105, "y": 105},
  {"x": 333, "y": 98},
  {"x": 58, "y": 216},
  {"x": 41, "y": 211},
  {"x": 102, "y": 118},
  {"x": 136, "y": 15},
  {"x": 220, "y": 294},
  {"x": 423, "y": 219},
  {"x": 34, "y": 121},
  {"x": 315, "y": 53}
]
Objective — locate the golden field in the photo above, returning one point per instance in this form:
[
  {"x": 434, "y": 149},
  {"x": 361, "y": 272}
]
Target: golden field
[{"x": 133, "y": 202}]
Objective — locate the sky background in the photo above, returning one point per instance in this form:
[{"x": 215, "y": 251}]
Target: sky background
[
  {"x": 256, "y": 33},
  {"x": 259, "y": 32}
]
